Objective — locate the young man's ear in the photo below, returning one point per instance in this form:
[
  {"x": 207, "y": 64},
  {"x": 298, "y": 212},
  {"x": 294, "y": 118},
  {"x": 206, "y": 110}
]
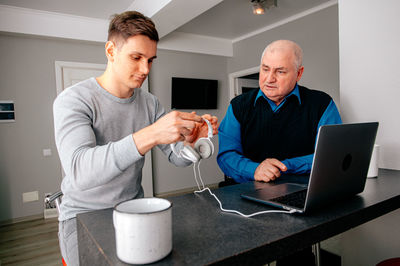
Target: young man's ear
[{"x": 110, "y": 50}]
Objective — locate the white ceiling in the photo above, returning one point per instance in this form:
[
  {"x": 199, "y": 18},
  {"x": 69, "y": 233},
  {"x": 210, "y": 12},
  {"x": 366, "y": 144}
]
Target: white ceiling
[
  {"x": 232, "y": 19},
  {"x": 208, "y": 23},
  {"x": 101, "y": 9}
]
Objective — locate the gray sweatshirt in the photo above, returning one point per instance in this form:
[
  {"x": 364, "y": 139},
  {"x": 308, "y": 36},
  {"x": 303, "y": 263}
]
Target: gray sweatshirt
[{"x": 93, "y": 133}]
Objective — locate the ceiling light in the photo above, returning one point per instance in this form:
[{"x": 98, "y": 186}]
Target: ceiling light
[{"x": 259, "y": 6}]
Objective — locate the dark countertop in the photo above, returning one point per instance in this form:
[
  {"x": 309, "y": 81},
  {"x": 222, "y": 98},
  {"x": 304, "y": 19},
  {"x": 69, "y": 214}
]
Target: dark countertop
[{"x": 202, "y": 234}]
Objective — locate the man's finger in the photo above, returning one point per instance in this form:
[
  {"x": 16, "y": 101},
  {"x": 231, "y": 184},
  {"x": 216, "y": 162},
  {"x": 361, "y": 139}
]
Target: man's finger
[
  {"x": 269, "y": 178},
  {"x": 190, "y": 116},
  {"x": 278, "y": 164},
  {"x": 275, "y": 173},
  {"x": 184, "y": 131},
  {"x": 186, "y": 124}
]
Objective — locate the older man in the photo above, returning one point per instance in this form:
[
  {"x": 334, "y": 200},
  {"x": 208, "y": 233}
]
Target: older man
[{"x": 273, "y": 130}]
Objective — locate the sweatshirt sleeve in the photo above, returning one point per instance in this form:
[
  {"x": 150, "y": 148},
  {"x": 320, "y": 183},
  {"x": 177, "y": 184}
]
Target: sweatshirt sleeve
[{"x": 87, "y": 164}]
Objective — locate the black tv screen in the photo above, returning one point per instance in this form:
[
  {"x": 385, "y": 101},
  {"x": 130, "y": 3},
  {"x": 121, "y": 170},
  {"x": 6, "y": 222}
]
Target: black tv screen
[{"x": 189, "y": 93}]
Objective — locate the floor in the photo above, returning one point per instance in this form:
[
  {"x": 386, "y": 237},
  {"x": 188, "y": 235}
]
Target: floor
[{"x": 33, "y": 242}]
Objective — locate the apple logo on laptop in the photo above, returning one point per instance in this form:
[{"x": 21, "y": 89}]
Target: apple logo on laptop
[{"x": 346, "y": 162}]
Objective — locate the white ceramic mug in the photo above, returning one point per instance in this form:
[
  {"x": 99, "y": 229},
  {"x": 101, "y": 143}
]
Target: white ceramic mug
[
  {"x": 143, "y": 230},
  {"x": 373, "y": 165}
]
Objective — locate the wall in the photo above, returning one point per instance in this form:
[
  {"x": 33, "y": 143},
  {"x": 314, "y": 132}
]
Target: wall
[
  {"x": 370, "y": 79},
  {"x": 169, "y": 64},
  {"x": 369, "y": 91},
  {"x": 28, "y": 78},
  {"x": 316, "y": 33}
]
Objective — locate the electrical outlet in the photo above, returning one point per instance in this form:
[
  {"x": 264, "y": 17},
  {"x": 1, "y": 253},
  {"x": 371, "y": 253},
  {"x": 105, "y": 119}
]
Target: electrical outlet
[
  {"x": 50, "y": 213},
  {"x": 30, "y": 196}
]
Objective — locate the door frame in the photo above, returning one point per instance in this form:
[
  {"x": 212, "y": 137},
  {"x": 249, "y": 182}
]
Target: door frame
[
  {"x": 233, "y": 80},
  {"x": 59, "y": 65}
]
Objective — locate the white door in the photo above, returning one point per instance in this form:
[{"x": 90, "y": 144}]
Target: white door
[{"x": 69, "y": 73}]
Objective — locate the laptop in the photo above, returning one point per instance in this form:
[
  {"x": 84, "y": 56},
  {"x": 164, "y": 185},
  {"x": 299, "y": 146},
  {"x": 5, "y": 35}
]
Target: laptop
[{"x": 339, "y": 170}]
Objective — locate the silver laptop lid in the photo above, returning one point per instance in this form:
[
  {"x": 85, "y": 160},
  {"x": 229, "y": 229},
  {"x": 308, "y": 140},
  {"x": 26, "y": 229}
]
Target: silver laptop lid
[{"x": 341, "y": 162}]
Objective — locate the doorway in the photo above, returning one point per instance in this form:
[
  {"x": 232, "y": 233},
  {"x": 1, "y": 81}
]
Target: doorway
[{"x": 243, "y": 81}]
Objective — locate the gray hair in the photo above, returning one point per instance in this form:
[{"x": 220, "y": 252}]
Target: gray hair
[{"x": 297, "y": 51}]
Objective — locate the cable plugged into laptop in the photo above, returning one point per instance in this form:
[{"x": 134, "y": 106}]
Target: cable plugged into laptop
[{"x": 203, "y": 188}]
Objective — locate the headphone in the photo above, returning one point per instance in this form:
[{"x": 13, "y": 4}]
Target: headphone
[{"x": 203, "y": 148}]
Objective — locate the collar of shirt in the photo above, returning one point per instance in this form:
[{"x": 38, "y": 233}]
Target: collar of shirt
[{"x": 275, "y": 107}]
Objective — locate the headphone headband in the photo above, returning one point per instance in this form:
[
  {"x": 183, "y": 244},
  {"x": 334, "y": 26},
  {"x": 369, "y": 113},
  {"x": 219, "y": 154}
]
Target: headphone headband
[{"x": 210, "y": 129}]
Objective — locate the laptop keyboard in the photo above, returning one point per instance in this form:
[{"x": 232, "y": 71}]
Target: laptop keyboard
[{"x": 296, "y": 199}]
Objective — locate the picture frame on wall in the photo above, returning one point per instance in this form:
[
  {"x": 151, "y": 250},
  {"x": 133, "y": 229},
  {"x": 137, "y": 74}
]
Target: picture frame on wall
[{"x": 7, "y": 111}]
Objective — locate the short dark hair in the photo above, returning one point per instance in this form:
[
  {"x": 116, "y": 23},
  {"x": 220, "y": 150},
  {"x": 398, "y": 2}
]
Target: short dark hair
[{"x": 131, "y": 23}]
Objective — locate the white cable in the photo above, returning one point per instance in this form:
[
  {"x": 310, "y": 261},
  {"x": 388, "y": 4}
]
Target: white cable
[
  {"x": 220, "y": 204},
  {"x": 237, "y": 212},
  {"x": 195, "y": 177},
  {"x": 201, "y": 179}
]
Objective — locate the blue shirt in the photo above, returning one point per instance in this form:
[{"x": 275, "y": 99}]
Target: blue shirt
[{"x": 230, "y": 156}]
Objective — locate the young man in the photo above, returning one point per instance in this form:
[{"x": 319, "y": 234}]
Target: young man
[
  {"x": 105, "y": 125},
  {"x": 273, "y": 129}
]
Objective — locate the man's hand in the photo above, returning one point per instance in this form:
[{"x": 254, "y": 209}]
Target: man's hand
[
  {"x": 172, "y": 127},
  {"x": 269, "y": 170},
  {"x": 201, "y": 129}
]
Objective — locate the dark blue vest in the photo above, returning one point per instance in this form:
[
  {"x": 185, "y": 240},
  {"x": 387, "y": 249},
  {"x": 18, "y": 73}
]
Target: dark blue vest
[{"x": 289, "y": 132}]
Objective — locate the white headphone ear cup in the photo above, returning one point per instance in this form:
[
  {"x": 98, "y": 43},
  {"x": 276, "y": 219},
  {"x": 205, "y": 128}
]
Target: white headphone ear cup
[
  {"x": 189, "y": 153},
  {"x": 204, "y": 147}
]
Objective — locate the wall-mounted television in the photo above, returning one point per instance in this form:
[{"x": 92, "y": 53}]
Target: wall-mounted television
[{"x": 190, "y": 93}]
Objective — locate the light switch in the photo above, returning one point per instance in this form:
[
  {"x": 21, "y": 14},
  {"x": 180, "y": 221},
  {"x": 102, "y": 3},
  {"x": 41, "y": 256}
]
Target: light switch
[{"x": 46, "y": 152}]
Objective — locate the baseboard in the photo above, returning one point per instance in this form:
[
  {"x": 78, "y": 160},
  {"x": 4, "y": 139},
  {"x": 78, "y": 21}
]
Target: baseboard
[
  {"x": 47, "y": 214},
  {"x": 22, "y": 219}
]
